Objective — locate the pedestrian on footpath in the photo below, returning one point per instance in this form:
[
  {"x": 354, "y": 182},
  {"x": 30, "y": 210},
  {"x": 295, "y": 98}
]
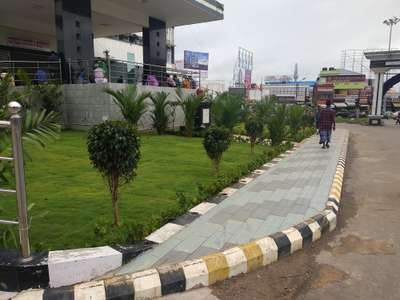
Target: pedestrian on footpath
[{"x": 326, "y": 123}]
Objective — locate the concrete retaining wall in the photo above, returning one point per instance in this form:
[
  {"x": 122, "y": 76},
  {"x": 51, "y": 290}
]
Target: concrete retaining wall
[{"x": 86, "y": 105}]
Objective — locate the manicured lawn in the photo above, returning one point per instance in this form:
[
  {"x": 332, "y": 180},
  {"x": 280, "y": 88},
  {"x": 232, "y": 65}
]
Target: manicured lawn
[{"x": 61, "y": 180}]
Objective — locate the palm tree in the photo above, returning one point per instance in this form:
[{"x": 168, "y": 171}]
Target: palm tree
[
  {"x": 189, "y": 105},
  {"x": 227, "y": 110},
  {"x": 160, "y": 113},
  {"x": 131, "y": 103}
]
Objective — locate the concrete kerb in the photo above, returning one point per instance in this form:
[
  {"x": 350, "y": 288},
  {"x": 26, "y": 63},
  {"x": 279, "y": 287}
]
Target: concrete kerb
[{"x": 209, "y": 269}]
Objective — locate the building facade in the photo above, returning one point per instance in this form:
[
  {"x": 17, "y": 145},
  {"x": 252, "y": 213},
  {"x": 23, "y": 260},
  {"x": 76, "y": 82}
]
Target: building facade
[
  {"x": 289, "y": 91},
  {"x": 343, "y": 88}
]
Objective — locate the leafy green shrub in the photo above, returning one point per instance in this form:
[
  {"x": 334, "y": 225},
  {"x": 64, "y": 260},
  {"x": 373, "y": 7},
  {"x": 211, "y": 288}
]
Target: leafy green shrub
[
  {"x": 160, "y": 114},
  {"x": 126, "y": 233},
  {"x": 295, "y": 118},
  {"x": 254, "y": 130},
  {"x": 216, "y": 142},
  {"x": 48, "y": 97},
  {"x": 227, "y": 111},
  {"x": 131, "y": 103},
  {"x": 114, "y": 151},
  {"x": 264, "y": 109},
  {"x": 239, "y": 129},
  {"x": 189, "y": 105},
  {"x": 276, "y": 125},
  {"x": 184, "y": 202}
]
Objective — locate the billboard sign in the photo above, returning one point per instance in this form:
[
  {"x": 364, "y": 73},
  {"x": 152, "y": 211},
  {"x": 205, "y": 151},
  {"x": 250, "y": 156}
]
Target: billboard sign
[{"x": 196, "y": 60}]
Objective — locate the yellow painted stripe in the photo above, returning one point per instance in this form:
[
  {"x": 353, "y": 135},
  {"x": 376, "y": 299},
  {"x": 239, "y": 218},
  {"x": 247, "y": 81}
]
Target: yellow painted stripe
[
  {"x": 254, "y": 256},
  {"x": 217, "y": 267}
]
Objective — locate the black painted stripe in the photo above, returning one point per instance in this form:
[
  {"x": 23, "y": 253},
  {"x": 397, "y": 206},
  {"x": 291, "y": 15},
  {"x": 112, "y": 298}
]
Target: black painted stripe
[
  {"x": 334, "y": 201},
  {"x": 306, "y": 233},
  {"x": 283, "y": 243},
  {"x": 323, "y": 223},
  {"x": 332, "y": 209},
  {"x": 62, "y": 293},
  {"x": 119, "y": 288},
  {"x": 172, "y": 279}
]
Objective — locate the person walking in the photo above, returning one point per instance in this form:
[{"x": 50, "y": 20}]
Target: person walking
[
  {"x": 398, "y": 118},
  {"x": 326, "y": 123}
]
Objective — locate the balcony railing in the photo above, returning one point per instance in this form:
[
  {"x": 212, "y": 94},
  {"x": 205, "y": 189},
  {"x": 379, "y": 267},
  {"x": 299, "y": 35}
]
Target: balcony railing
[{"x": 99, "y": 71}]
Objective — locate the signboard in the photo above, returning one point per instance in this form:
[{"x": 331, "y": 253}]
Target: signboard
[{"x": 196, "y": 60}]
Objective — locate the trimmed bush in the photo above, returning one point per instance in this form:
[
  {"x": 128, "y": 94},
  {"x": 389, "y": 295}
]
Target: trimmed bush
[
  {"x": 216, "y": 142},
  {"x": 277, "y": 124},
  {"x": 113, "y": 148}
]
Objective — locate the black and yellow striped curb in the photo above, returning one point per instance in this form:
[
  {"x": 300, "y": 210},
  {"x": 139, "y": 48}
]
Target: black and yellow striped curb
[{"x": 169, "y": 279}]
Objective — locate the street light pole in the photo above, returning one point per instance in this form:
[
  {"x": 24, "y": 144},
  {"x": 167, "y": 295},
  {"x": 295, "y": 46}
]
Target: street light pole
[{"x": 391, "y": 22}]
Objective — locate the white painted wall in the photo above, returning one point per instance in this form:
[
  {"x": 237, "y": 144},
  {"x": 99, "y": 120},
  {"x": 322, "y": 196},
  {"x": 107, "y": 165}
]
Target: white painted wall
[{"x": 118, "y": 49}]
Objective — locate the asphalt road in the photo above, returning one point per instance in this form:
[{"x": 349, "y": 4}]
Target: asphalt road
[{"x": 361, "y": 259}]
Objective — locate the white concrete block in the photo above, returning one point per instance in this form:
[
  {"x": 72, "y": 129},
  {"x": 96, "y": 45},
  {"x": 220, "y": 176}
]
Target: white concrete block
[
  {"x": 331, "y": 216},
  {"x": 164, "y": 233},
  {"x": 196, "y": 273},
  {"x": 269, "y": 250},
  {"x": 68, "y": 267},
  {"x": 316, "y": 231},
  {"x": 147, "y": 284},
  {"x": 246, "y": 180},
  {"x": 90, "y": 290},
  {"x": 269, "y": 165},
  {"x": 295, "y": 238},
  {"x": 27, "y": 295},
  {"x": 202, "y": 208},
  {"x": 259, "y": 172},
  {"x": 236, "y": 260}
]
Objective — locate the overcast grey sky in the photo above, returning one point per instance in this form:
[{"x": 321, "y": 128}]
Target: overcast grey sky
[{"x": 283, "y": 32}]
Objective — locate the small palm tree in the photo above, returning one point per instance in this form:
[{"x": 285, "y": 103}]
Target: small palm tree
[
  {"x": 160, "y": 113},
  {"x": 227, "y": 110},
  {"x": 131, "y": 103},
  {"x": 189, "y": 105}
]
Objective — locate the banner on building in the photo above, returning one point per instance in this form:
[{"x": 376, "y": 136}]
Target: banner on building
[{"x": 196, "y": 60}]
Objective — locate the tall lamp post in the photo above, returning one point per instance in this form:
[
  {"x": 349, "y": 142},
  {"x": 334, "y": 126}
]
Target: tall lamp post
[{"x": 391, "y": 22}]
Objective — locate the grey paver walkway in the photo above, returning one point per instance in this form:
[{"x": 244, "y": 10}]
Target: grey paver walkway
[{"x": 288, "y": 193}]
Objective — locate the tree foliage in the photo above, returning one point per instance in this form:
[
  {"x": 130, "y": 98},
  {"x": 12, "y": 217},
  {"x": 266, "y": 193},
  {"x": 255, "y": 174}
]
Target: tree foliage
[
  {"x": 216, "y": 142},
  {"x": 277, "y": 123},
  {"x": 160, "y": 114},
  {"x": 227, "y": 110},
  {"x": 254, "y": 130},
  {"x": 131, "y": 103},
  {"x": 295, "y": 119},
  {"x": 189, "y": 105},
  {"x": 114, "y": 150}
]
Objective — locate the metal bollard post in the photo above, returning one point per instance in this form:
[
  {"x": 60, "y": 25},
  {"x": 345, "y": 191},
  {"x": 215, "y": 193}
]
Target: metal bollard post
[{"x": 16, "y": 127}]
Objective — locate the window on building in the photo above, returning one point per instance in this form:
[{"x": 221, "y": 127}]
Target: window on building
[{"x": 131, "y": 61}]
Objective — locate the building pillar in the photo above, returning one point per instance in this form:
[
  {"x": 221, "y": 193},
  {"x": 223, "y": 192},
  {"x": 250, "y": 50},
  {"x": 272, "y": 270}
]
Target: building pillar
[
  {"x": 378, "y": 93},
  {"x": 155, "y": 49},
  {"x": 74, "y": 36}
]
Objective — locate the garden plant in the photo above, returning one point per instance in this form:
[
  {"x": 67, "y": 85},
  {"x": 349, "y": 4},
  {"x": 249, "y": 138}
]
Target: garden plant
[
  {"x": 254, "y": 130},
  {"x": 189, "y": 105},
  {"x": 132, "y": 103},
  {"x": 216, "y": 142},
  {"x": 227, "y": 111},
  {"x": 161, "y": 111},
  {"x": 114, "y": 150}
]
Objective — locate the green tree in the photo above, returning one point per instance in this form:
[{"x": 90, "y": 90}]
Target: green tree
[
  {"x": 131, "y": 102},
  {"x": 114, "y": 150},
  {"x": 295, "y": 119},
  {"x": 227, "y": 110},
  {"x": 216, "y": 142},
  {"x": 254, "y": 130},
  {"x": 189, "y": 105},
  {"x": 277, "y": 123},
  {"x": 264, "y": 109},
  {"x": 160, "y": 114}
]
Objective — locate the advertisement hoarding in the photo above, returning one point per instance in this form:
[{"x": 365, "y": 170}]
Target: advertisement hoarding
[{"x": 196, "y": 60}]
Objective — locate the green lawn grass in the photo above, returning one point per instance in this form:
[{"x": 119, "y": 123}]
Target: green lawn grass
[{"x": 61, "y": 180}]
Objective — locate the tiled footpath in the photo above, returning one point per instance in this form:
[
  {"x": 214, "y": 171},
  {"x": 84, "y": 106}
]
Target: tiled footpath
[
  {"x": 289, "y": 192},
  {"x": 314, "y": 180}
]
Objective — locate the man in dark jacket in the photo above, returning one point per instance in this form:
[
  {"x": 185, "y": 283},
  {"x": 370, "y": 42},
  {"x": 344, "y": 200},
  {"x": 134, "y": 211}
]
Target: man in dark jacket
[{"x": 326, "y": 122}]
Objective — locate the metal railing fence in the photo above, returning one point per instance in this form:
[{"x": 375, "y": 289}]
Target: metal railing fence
[
  {"x": 15, "y": 124},
  {"x": 99, "y": 71}
]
